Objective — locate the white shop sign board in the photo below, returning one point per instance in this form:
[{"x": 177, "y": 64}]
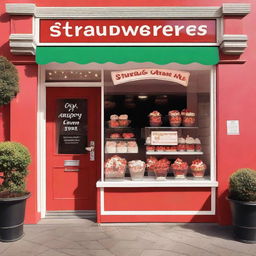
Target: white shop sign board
[
  {"x": 164, "y": 138},
  {"x": 125, "y": 76}
]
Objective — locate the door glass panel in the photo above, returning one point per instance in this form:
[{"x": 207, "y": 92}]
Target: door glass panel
[{"x": 71, "y": 126}]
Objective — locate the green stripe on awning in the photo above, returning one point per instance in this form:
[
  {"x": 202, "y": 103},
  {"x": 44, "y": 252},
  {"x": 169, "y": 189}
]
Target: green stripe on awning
[{"x": 120, "y": 55}]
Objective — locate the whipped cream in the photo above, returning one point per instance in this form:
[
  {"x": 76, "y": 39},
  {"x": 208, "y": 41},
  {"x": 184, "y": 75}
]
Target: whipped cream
[
  {"x": 197, "y": 141},
  {"x": 181, "y": 140},
  {"x": 190, "y": 140}
]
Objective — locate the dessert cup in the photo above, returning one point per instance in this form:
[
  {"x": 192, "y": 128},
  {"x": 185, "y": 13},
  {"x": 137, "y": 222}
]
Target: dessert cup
[
  {"x": 198, "y": 147},
  {"x": 198, "y": 174},
  {"x": 137, "y": 169},
  {"x": 198, "y": 168},
  {"x": 190, "y": 147},
  {"x": 188, "y": 121},
  {"x": 124, "y": 123},
  {"x": 181, "y": 147},
  {"x": 175, "y": 121},
  {"x": 180, "y": 173},
  {"x": 113, "y": 124},
  {"x": 155, "y": 121},
  {"x": 151, "y": 172},
  {"x": 115, "y": 173},
  {"x": 137, "y": 174},
  {"x": 161, "y": 173}
]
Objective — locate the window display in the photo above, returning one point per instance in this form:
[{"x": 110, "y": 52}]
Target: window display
[{"x": 158, "y": 130}]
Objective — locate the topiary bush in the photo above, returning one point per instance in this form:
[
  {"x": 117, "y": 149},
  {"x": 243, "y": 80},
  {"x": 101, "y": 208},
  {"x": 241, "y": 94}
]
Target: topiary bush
[
  {"x": 242, "y": 185},
  {"x": 9, "y": 81},
  {"x": 14, "y": 160}
]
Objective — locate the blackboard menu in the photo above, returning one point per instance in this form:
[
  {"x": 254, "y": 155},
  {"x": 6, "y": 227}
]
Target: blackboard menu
[{"x": 71, "y": 125}]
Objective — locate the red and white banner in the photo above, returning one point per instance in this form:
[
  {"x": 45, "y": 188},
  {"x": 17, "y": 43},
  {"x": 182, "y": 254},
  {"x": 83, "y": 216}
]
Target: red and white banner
[
  {"x": 127, "y": 31},
  {"x": 120, "y": 77}
]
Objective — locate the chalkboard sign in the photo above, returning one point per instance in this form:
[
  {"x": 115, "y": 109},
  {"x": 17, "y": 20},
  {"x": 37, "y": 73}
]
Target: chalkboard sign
[{"x": 71, "y": 125}]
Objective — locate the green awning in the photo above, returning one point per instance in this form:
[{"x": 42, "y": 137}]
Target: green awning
[{"x": 119, "y": 55}]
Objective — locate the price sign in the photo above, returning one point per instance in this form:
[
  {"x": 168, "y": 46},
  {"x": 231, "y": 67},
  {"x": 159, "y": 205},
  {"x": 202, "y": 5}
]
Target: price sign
[{"x": 164, "y": 138}]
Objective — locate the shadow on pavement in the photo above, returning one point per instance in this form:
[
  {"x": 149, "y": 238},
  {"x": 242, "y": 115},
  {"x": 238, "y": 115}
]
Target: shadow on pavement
[{"x": 211, "y": 230}]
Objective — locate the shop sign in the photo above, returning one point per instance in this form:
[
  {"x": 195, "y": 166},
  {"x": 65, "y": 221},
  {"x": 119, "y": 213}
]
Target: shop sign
[
  {"x": 125, "y": 76},
  {"x": 164, "y": 138},
  {"x": 127, "y": 31}
]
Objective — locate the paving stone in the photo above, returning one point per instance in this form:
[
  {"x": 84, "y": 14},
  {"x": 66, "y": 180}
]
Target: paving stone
[
  {"x": 126, "y": 252},
  {"x": 159, "y": 253},
  {"x": 100, "y": 253},
  {"x": 75, "y": 252},
  {"x": 23, "y": 248},
  {"x": 93, "y": 245},
  {"x": 53, "y": 253},
  {"x": 84, "y": 236},
  {"x": 108, "y": 243},
  {"x": 138, "y": 244},
  {"x": 75, "y": 238}
]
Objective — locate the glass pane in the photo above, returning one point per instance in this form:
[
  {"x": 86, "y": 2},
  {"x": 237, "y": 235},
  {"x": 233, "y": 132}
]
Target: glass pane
[
  {"x": 71, "y": 126},
  {"x": 163, "y": 124}
]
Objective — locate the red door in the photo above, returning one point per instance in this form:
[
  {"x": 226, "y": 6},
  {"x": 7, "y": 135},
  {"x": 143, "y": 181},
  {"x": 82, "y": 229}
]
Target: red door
[{"x": 73, "y": 148}]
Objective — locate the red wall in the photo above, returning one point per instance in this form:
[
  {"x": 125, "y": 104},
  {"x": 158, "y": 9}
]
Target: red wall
[
  {"x": 18, "y": 120},
  {"x": 235, "y": 95},
  {"x": 23, "y": 128}
]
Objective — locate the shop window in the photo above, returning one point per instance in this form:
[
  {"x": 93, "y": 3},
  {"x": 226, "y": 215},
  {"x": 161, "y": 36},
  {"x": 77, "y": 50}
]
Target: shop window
[
  {"x": 52, "y": 76},
  {"x": 71, "y": 126},
  {"x": 158, "y": 130}
]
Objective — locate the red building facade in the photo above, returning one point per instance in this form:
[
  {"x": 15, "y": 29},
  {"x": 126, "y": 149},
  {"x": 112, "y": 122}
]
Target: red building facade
[{"x": 58, "y": 185}]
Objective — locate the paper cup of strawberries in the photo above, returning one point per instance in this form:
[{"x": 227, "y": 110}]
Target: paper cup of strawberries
[
  {"x": 115, "y": 167},
  {"x": 174, "y": 118},
  {"x": 198, "y": 168},
  {"x": 137, "y": 169},
  {"x": 179, "y": 168},
  {"x": 161, "y": 168},
  {"x": 155, "y": 119},
  {"x": 151, "y": 161}
]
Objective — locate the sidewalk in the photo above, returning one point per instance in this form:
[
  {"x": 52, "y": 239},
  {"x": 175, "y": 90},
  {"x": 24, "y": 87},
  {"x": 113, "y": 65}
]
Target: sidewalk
[{"x": 83, "y": 237}]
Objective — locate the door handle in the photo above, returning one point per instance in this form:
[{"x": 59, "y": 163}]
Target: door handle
[{"x": 91, "y": 149}]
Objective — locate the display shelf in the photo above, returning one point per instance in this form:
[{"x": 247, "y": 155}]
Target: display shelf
[
  {"x": 118, "y": 128},
  {"x": 174, "y": 153},
  {"x": 152, "y": 182},
  {"x": 120, "y": 139},
  {"x": 171, "y": 127},
  {"x": 120, "y": 153}
]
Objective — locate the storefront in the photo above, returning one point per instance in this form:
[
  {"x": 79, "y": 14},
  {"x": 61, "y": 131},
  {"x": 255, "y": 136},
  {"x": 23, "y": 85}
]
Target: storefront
[{"x": 131, "y": 113}]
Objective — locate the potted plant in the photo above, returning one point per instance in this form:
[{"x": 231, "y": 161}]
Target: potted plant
[
  {"x": 242, "y": 198},
  {"x": 9, "y": 81},
  {"x": 14, "y": 160}
]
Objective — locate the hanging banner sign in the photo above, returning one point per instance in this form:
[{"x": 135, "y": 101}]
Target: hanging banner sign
[
  {"x": 127, "y": 31},
  {"x": 124, "y": 76}
]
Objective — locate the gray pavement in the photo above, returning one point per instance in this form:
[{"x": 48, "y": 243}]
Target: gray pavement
[{"x": 82, "y": 237}]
